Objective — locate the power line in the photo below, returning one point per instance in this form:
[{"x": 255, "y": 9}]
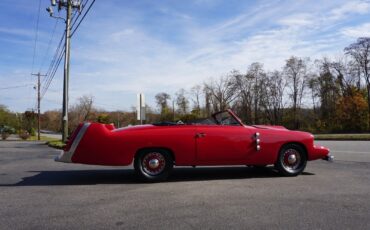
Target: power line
[
  {"x": 53, "y": 64},
  {"x": 16, "y": 86},
  {"x": 36, "y": 35},
  {"x": 83, "y": 17},
  {"x": 55, "y": 54},
  {"x": 53, "y": 72},
  {"x": 83, "y": 6},
  {"x": 49, "y": 45}
]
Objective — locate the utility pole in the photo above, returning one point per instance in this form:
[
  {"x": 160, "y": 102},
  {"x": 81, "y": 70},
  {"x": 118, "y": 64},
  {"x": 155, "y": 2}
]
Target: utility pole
[
  {"x": 69, "y": 5},
  {"x": 38, "y": 103},
  {"x": 66, "y": 73}
]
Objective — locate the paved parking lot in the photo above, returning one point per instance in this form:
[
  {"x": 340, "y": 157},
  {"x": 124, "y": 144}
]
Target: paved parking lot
[{"x": 38, "y": 193}]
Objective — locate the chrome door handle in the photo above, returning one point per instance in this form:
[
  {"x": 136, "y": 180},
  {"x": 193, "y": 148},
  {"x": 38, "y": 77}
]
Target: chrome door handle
[{"x": 200, "y": 135}]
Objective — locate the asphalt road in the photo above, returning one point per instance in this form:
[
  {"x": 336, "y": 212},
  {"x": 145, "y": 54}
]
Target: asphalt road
[{"x": 38, "y": 193}]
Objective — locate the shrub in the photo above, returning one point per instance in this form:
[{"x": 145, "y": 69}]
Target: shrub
[
  {"x": 24, "y": 135},
  {"x": 4, "y": 135}
]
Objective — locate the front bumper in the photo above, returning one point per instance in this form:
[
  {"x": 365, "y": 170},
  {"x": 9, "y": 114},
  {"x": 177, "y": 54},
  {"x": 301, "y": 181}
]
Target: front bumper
[
  {"x": 320, "y": 152},
  {"x": 329, "y": 158}
]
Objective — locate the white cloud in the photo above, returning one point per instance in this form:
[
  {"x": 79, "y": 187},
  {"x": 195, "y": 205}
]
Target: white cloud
[
  {"x": 128, "y": 59},
  {"x": 350, "y": 7},
  {"x": 125, "y": 56},
  {"x": 357, "y": 31},
  {"x": 17, "y": 32}
]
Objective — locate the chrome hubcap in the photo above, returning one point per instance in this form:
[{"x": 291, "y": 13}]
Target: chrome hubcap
[
  {"x": 153, "y": 163},
  {"x": 291, "y": 160}
]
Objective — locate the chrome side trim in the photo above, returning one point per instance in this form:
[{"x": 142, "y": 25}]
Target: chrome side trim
[{"x": 67, "y": 156}]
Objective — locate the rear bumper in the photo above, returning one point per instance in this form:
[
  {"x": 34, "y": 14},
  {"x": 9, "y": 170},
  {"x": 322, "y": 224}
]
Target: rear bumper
[{"x": 66, "y": 156}]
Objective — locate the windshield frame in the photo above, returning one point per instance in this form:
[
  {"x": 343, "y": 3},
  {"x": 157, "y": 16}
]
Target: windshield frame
[{"x": 231, "y": 113}]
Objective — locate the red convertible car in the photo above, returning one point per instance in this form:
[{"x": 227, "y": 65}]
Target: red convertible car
[{"x": 220, "y": 140}]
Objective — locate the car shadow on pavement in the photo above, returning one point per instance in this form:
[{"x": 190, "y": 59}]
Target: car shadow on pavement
[{"x": 128, "y": 176}]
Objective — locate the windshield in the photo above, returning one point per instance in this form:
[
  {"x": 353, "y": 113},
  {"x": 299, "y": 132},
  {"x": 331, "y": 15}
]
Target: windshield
[
  {"x": 225, "y": 118},
  {"x": 220, "y": 118}
]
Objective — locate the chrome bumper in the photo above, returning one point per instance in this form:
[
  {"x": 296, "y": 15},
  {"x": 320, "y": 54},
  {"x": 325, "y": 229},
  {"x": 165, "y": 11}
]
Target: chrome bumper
[
  {"x": 329, "y": 158},
  {"x": 66, "y": 156}
]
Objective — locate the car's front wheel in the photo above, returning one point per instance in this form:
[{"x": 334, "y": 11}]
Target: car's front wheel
[
  {"x": 292, "y": 160},
  {"x": 153, "y": 164}
]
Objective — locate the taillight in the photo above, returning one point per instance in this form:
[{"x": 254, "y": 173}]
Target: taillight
[{"x": 72, "y": 137}]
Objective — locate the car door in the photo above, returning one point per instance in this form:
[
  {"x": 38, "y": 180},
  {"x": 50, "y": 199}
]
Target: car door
[{"x": 219, "y": 144}]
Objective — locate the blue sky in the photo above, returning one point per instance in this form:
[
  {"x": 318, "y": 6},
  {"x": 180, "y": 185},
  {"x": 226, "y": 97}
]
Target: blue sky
[{"x": 125, "y": 47}]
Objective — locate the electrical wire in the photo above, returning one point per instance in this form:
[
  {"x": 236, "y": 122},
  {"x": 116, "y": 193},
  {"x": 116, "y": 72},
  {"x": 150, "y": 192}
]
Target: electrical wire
[
  {"x": 49, "y": 45},
  {"x": 83, "y": 7},
  {"x": 53, "y": 62},
  {"x": 53, "y": 72},
  {"x": 83, "y": 17},
  {"x": 36, "y": 36},
  {"x": 53, "y": 67},
  {"x": 16, "y": 86}
]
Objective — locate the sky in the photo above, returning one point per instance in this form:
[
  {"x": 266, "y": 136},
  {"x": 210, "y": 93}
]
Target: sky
[{"x": 126, "y": 47}]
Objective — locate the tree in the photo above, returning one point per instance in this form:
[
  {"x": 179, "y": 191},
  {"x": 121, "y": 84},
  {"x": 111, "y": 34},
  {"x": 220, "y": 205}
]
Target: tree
[
  {"x": 196, "y": 92},
  {"x": 81, "y": 111},
  {"x": 272, "y": 95},
  {"x": 295, "y": 70},
  {"x": 360, "y": 52},
  {"x": 256, "y": 74},
  {"x": 244, "y": 103},
  {"x": 352, "y": 115},
  {"x": 50, "y": 120},
  {"x": 221, "y": 92},
  {"x": 162, "y": 102},
  {"x": 182, "y": 102}
]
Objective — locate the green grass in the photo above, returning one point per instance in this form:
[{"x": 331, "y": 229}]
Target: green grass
[
  {"x": 58, "y": 144},
  {"x": 42, "y": 138},
  {"x": 354, "y": 136}
]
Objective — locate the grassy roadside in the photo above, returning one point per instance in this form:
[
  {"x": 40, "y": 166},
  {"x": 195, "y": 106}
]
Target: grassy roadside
[
  {"x": 58, "y": 144},
  {"x": 342, "y": 137},
  {"x": 42, "y": 138}
]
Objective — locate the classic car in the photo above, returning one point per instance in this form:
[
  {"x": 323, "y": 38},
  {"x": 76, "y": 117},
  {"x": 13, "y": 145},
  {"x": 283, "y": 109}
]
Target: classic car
[{"x": 222, "y": 139}]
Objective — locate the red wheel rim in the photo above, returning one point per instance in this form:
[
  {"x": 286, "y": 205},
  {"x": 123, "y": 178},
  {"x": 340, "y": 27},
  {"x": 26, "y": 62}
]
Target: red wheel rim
[
  {"x": 291, "y": 160},
  {"x": 153, "y": 163}
]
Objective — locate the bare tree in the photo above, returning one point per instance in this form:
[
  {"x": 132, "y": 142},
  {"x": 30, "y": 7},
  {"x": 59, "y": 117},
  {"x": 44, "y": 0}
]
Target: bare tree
[
  {"x": 360, "y": 52},
  {"x": 81, "y": 111},
  {"x": 295, "y": 70},
  {"x": 196, "y": 92},
  {"x": 181, "y": 101},
  {"x": 344, "y": 73},
  {"x": 244, "y": 85},
  {"x": 222, "y": 92},
  {"x": 271, "y": 96},
  {"x": 257, "y": 74}
]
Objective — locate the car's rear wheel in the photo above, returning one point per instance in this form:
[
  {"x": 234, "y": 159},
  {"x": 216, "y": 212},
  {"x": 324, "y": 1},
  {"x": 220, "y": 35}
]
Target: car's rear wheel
[
  {"x": 153, "y": 164},
  {"x": 292, "y": 160}
]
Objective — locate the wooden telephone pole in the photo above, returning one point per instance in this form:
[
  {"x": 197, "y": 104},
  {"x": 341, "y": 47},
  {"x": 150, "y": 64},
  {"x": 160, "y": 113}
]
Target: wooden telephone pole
[{"x": 38, "y": 102}]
